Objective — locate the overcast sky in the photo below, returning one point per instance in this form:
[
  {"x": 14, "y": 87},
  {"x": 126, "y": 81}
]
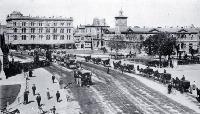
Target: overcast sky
[{"x": 140, "y": 12}]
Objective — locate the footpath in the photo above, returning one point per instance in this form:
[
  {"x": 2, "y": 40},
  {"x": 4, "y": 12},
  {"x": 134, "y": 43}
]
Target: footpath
[{"x": 42, "y": 80}]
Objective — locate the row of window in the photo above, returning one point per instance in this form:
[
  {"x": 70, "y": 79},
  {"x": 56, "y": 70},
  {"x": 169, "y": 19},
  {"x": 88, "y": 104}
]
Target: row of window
[
  {"x": 41, "y": 30},
  {"x": 41, "y": 24},
  {"x": 48, "y": 37}
]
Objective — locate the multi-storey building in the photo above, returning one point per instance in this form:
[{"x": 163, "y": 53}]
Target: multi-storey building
[
  {"x": 90, "y": 36},
  {"x": 134, "y": 36},
  {"x": 39, "y": 31},
  {"x": 82, "y": 39}
]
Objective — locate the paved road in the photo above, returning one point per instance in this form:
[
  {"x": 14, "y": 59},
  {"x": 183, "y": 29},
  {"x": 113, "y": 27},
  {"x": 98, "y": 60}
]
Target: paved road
[{"x": 121, "y": 92}]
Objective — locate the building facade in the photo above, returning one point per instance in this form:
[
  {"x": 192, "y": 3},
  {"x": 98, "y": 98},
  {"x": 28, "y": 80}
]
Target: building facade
[
  {"x": 82, "y": 39},
  {"x": 93, "y": 35},
  {"x": 41, "y": 31},
  {"x": 133, "y": 37}
]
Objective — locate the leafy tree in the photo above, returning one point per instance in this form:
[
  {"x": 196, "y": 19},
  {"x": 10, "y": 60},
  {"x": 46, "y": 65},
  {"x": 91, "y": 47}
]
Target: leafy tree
[
  {"x": 116, "y": 43},
  {"x": 160, "y": 44}
]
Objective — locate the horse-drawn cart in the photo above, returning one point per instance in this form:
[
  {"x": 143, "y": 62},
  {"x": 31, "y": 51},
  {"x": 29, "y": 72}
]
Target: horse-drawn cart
[{"x": 86, "y": 77}]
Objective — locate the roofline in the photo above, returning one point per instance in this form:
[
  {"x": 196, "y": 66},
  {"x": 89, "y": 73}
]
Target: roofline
[
  {"x": 121, "y": 17},
  {"x": 37, "y": 18},
  {"x": 96, "y": 26}
]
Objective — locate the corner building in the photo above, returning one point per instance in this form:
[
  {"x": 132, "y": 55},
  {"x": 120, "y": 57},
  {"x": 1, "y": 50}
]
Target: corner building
[{"x": 29, "y": 32}]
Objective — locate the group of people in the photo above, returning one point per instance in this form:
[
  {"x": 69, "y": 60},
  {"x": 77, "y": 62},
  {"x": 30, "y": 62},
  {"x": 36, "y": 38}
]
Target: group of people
[
  {"x": 38, "y": 96},
  {"x": 82, "y": 78},
  {"x": 192, "y": 86}
]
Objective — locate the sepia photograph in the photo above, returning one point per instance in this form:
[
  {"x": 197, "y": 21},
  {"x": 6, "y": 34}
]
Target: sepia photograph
[{"x": 99, "y": 56}]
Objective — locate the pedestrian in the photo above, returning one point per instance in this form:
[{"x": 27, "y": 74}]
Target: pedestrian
[
  {"x": 48, "y": 94},
  {"x": 183, "y": 78},
  {"x": 169, "y": 88},
  {"x": 61, "y": 83},
  {"x": 122, "y": 69},
  {"x": 26, "y": 97},
  {"x": 138, "y": 67},
  {"x": 30, "y": 73},
  {"x": 108, "y": 70},
  {"x": 165, "y": 71},
  {"x": 34, "y": 88},
  {"x": 79, "y": 79},
  {"x": 192, "y": 87},
  {"x": 53, "y": 78},
  {"x": 75, "y": 77},
  {"x": 54, "y": 110},
  {"x": 38, "y": 99},
  {"x": 57, "y": 96}
]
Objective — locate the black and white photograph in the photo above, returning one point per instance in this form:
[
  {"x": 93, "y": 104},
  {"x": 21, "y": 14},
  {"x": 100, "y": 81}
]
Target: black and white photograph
[{"x": 99, "y": 56}]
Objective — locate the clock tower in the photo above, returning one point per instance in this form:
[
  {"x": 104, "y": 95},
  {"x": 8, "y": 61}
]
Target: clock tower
[{"x": 121, "y": 21}]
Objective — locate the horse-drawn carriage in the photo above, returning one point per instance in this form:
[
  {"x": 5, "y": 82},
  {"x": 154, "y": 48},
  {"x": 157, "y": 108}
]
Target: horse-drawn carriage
[
  {"x": 96, "y": 60},
  {"x": 185, "y": 85},
  {"x": 105, "y": 61},
  {"x": 71, "y": 63},
  {"x": 87, "y": 58},
  {"x": 86, "y": 77},
  {"x": 165, "y": 77},
  {"x": 117, "y": 65},
  {"x": 147, "y": 72},
  {"x": 128, "y": 67}
]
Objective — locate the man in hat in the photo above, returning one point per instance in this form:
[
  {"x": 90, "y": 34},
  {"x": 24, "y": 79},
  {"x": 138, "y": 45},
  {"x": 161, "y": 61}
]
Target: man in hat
[
  {"x": 34, "y": 88},
  {"x": 53, "y": 78},
  {"x": 48, "y": 94},
  {"x": 26, "y": 97},
  {"x": 38, "y": 99},
  {"x": 57, "y": 96}
]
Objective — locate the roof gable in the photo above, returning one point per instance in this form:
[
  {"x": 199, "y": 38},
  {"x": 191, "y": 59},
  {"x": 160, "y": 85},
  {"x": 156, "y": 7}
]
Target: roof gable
[
  {"x": 182, "y": 30},
  {"x": 154, "y": 30}
]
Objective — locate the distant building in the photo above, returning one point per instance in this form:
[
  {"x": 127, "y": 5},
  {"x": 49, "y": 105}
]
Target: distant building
[
  {"x": 30, "y": 31},
  {"x": 134, "y": 36},
  {"x": 82, "y": 39},
  {"x": 92, "y": 34}
]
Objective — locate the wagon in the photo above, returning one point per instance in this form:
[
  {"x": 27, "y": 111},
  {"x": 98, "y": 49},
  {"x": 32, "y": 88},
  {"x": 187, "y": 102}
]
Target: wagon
[
  {"x": 86, "y": 77},
  {"x": 186, "y": 85},
  {"x": 71, "y": 63}
]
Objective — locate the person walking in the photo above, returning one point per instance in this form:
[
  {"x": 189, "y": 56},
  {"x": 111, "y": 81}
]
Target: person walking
[
  {"x": 34, "y": 88},
  {"x": 192, "y": 87},
  {"x": 79, "y": 79},
  {"x": 48, "y": 94},
  {"x": 183, "y": 78},
  {"x": 169, "y": 88},
  {"x": 26, "y": 97},
  {"x": 75, "y": 77},
  {"x": 54, "y": 110},
  {"x": 38, "y": 99},
  {"x": 30, "y": 73},
  {"x": 57, "y": 96},
  {"x": 108, "y": 70},
  {"x": 53, "y": 78}
]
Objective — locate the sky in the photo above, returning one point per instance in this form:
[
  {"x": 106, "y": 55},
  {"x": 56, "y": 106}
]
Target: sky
[{"x": 150, "y": 13}]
